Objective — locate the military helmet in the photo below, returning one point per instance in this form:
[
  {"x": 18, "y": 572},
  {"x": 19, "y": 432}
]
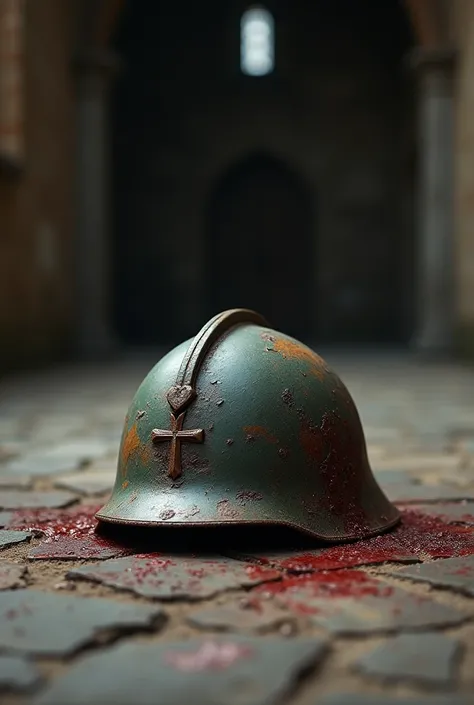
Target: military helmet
[{"x": 246, "y": 425}]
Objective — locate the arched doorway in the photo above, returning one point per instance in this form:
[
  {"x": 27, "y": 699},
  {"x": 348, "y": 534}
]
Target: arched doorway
[{"x": 261, "y": 244}]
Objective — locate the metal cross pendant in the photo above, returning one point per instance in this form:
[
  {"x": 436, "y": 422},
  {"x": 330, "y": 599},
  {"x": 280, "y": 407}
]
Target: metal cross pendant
[{"x": 177, "y": 436}]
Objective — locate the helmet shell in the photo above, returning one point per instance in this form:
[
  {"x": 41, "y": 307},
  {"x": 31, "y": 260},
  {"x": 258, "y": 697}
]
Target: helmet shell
[{"x": 271, "y": 435}]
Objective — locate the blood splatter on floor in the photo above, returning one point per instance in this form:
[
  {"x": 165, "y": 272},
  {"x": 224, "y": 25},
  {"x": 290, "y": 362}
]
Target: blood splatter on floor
[{"x": 418, "y": 537}]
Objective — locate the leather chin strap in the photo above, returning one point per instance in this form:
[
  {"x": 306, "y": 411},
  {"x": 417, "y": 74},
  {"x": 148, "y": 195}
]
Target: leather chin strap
[{"x": 183, "y": 391}]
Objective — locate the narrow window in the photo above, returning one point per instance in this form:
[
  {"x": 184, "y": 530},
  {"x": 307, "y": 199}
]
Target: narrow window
[{"x": 257, "y": 42}]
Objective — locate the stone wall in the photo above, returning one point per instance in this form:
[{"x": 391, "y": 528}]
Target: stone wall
[
  {"x": 36, "y": 218},
  {"x": 337, "y": 112}
]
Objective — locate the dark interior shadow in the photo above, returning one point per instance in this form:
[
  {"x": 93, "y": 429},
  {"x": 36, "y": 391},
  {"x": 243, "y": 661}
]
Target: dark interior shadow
[
  {"x": 261, "y": 244},
  {"x": 208, "y": 540}
]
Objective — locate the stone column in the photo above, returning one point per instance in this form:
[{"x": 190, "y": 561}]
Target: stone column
[
  {"x": 464, "y": 180},
  {"x": 94, "y": 338},
  {"x": 435, "y": 264},
  {"x": 12, "y": 79}
]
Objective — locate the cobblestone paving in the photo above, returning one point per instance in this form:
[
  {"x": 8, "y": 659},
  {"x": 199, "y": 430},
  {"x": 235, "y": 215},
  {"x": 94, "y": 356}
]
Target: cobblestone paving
[{"x": 90, "y": 618}]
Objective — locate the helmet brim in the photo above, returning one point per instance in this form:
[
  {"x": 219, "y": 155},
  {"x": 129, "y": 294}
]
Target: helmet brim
[{"x": 182, "y": 508}]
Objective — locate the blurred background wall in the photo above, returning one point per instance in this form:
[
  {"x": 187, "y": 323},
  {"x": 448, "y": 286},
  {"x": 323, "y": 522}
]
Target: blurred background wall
[
  {"x": 147, "y": 181},
  {"x": 37, "y": 138}
]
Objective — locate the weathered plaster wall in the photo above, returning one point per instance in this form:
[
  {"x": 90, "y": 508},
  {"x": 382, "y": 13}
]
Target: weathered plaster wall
[{"x": 36, "y": 217}]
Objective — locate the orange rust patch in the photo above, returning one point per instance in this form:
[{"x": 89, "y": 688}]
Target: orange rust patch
[
  {"x": 125, "y": 484},
  {"x": 293, "y": 351},
  {"x": 260, "y": 432},
  {"x": 130, "y": 444},
  {"x": 146, "y": 455}
]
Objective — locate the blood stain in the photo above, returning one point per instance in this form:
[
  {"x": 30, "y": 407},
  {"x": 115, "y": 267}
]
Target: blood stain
[
  {"x": 209, "y": 656},
  {"x": 296, "y": 590},
  {"x": 418, "y": 536},
  {"x": 67, "y": 533},
  {"x": 256, "y": 572}
]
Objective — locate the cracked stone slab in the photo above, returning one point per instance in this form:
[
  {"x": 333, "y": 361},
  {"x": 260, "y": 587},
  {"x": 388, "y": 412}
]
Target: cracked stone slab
[
  {"x": 9, "y": 427},
  {"x": 18, "y": 674},
  {"x": 175, "y": 577},
  {"x": 419, "y": 462},
  {"x": 55, "y": 428},
  {"x": 11, "y": 499},
  {"x": 416, "y": 493},
  {"x": 11, "y": 574},
  {"x": 39, "y": 466},
  {"x": 388, "y": 478},
  {"x": 69, "y": 549},
  {"x": 5, "y": 519},
  {"x": 63, "y": 457},
  {"x": 10, "y": 538},
  {"x": 460, "y": 513},
  {"x": 429, "y": 441},
  {"x": 379, "y": 699},
  {"x": 454, "y": 573},
  {"x": 397, "y": 612},
  {"x": 14, "y": 481},
  {"x": 247, "y": 670},
  {"x": 235, "y": 618},
  {"x": 69, "y": 534},
  {"x": 87, "y": 483},
  {"x": 430, "y": 659},
  {"x": 9, "y": 450},
  {"x": 377, "y": 434},
  {"x": 349, "y": 602},
  {"x": 35, "y": 622},
  {"x": 468, "y": 446}
]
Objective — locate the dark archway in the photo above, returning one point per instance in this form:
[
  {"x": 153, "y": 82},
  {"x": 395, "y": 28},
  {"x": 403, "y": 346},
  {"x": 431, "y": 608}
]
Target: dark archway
[
  {"x": 343, "y": 273},
  {"x": 261, "y": 241}
]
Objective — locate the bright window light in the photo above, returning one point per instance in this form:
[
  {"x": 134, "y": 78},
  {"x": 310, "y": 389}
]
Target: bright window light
[{"x": 257, "y": 42}]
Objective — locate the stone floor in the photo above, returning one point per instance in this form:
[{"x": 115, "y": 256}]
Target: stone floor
[{"x": 86, "y": 619}]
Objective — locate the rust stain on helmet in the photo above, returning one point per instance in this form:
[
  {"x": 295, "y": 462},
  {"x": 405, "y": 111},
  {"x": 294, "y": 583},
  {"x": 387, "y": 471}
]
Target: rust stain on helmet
[
  {"x": 130, "y": 445},
  {"x": 290, "y": 350},
  {"x": 260, "y": 432}
]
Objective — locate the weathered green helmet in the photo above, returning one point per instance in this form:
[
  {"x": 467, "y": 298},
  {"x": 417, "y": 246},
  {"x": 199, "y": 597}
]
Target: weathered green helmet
[{"x": 245, "y": 425}]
